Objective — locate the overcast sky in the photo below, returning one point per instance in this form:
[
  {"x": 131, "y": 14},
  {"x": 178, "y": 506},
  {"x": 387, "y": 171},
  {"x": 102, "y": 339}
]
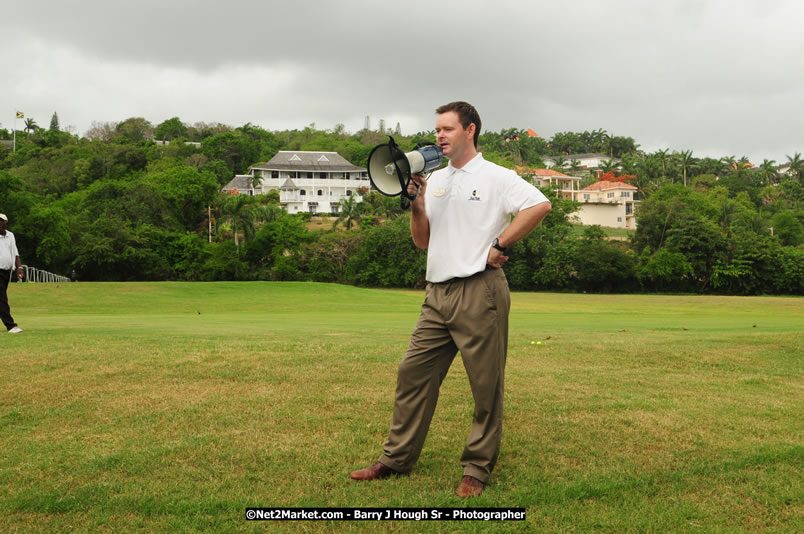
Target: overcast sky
[{"x": 721, "y": 78}]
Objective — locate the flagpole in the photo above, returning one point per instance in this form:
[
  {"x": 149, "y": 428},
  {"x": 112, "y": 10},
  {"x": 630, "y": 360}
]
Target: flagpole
[{"x": 17, "y": 115}]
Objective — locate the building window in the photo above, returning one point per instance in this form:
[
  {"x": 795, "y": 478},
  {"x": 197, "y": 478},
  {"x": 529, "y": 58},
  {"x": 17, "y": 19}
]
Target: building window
[
  {"x": 625, "y": 194},
  {"x": 348, "y": 193},
  {"x": 274, "y": 174},
  {"x": 610, "y": 195},
  {"x": 322, "y": 175},
  {"x": 302, "y": 192},
  {"x": 619, "y": 219},
  {"x": 587, "y": 196},
  {"x": 309, "y": 174},
  {"x": 321, "y": 192}
]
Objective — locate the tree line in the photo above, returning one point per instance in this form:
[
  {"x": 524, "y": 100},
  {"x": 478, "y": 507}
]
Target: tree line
[{"x": 114, "y": 205}]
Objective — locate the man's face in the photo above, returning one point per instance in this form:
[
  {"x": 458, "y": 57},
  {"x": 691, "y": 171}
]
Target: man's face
[
  {"x": 452, "y": 137},
  {"x": 3, "y": 224}
]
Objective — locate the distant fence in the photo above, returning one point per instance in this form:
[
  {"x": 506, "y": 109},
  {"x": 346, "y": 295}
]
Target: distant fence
[{"x": 32, "y": 274}]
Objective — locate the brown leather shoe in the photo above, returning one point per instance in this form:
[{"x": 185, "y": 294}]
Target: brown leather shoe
[
  {"x": 377, "y": 471},
  {"x": 469, "y": 487}
]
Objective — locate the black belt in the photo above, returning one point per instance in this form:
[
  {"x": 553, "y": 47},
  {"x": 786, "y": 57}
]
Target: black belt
[{"x": 459, "y": 278}]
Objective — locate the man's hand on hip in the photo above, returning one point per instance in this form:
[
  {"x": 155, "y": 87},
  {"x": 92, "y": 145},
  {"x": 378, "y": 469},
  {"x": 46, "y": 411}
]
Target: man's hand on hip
[{"x": 496, "y": 258}]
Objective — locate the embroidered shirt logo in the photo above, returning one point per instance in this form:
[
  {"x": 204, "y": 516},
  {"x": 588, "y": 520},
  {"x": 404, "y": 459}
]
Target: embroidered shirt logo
[{"x": 474, "y": 196}]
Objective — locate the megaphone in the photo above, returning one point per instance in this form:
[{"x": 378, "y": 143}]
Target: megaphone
[{"x": 390, "y": 169}]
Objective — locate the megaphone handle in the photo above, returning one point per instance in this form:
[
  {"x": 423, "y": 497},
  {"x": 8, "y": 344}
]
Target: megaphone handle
[
  {"x": 412, "y": 197},
  {"x": 406, "y": 200}
]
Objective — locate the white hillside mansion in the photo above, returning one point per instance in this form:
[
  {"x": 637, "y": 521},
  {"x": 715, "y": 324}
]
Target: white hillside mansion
[
  {"x": 308, "y": 182},
  {"x": 585, "y": 161}
]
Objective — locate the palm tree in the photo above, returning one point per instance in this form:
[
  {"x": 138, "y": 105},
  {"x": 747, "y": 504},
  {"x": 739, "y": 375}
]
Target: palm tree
[
  {"x": 712, "y": 166},
  {"x": 349, "y": 210},
  {"x": 769, "y": 170},
  {"x": 256, "y": 179},
  {"x": 757, "y": 222},
  {"x": 239, "y": 212},
  {"x": 647, "y": 170},
  {"x": 730, "y": 162},
  {"x": 600, "y": 140},
  {"x": 727, "y": 213},
  {"x": 609, "y": 141},
  {"x": 796, "y": 165},
  {"x": 630, "y": 163},
  {"x": 663, "y": 158},
  {"x": 267, "y": 212},
  {"x": 609, "y": 165},
  {"x": 686, "y": 162},
  {"x": 30, "y": 125}
]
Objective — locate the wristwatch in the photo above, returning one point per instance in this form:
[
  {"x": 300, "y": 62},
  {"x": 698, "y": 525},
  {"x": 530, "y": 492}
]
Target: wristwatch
[{"x": 496, "y": 244}]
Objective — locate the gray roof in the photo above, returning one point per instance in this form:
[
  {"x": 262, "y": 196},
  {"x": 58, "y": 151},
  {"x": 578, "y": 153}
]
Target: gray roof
[
  {"x": 240, "y": 182},
  {"x": 289, "y": 185},
  {"x": 300, "y": 160}
]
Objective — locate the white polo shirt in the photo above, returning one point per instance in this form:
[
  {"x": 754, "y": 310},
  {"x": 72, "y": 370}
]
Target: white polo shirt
[
  {"x": 8, "y": 251},
  {"x": 467, "y": 208}
]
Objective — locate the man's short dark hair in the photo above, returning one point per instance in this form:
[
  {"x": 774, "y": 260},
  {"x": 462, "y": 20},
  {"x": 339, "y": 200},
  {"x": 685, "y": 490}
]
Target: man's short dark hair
[{"x": 467, "y": 114}]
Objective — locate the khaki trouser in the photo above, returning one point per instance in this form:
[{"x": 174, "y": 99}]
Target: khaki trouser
[{"x": 466, "y": 314}]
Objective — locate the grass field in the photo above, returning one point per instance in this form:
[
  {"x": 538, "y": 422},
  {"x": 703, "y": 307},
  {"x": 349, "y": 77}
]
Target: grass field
[
  {"x": 171, "y": 407},
  {"x": 618, "y": 234}
]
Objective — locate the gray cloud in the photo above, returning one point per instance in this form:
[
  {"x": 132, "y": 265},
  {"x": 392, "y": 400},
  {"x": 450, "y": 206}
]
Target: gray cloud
[{"x": 717, "y": 77}]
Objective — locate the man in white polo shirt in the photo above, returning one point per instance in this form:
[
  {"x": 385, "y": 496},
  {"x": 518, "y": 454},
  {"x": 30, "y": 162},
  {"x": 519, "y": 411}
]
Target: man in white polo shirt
[
  {"x": 462, "y": 216},
  {"x": 9, "y": 262}
]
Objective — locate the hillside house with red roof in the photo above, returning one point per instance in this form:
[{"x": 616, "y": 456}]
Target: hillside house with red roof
[
  {"x": 605, "y": 203},
  {"x": 608, "y": 204},
  {"x": 568, "y": 186}
]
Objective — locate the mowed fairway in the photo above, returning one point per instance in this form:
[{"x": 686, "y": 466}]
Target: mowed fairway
[{"x": 171, "y": 407}]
